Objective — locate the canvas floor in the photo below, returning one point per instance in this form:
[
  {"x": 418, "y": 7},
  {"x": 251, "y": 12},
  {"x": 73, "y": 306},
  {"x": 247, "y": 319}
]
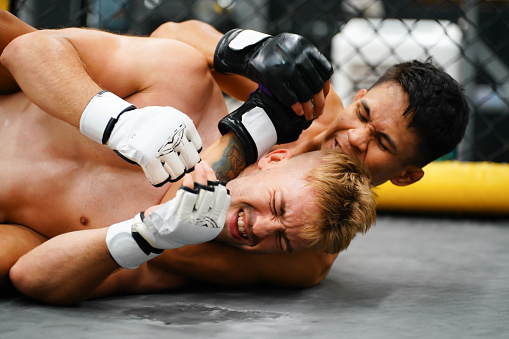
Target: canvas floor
[{"x": 409, "y": 277}]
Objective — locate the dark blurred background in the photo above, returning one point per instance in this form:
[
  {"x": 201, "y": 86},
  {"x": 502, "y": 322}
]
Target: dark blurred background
[{"x": 467, "y": 38}]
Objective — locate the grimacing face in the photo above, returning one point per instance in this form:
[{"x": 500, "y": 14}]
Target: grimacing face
[
  {"x": 268, "y": 199},
  {"x": 374, "y": 130}
]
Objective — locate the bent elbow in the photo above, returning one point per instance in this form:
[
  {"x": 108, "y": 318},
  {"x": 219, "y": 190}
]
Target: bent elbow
[
  {"x": 17, "y": 48},
  {"x": 35, "y": 286},
  {"x": 27, "y": 49},
  {"x": 22, "y": 280}
]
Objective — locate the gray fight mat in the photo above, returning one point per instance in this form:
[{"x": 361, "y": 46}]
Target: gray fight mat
[{"x": 409, "y": 277}]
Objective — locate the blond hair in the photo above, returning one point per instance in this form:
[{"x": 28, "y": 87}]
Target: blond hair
[{"x": 344, "y": 196}]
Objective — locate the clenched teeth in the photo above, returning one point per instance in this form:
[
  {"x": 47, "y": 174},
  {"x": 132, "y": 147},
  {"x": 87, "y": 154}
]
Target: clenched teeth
[{"x": 240, "y": 224}]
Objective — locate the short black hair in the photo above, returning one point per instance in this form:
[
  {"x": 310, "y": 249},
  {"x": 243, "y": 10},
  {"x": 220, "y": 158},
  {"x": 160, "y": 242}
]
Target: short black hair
[{"x": 438, "y": 106}]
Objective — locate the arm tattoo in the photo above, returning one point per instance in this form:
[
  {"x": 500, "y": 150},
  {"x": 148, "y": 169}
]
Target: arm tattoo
[{"x": 232, "y": 162}]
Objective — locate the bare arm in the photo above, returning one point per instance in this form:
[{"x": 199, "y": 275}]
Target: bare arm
[
  {"x": 77, "y": 266},
  {"x": 61, "y": 70},
  {"x": 74, "y": 264},
  {"x": 50, "y": 72},
  {"x": 204, "y": 38},
  {"x": 15, "y": 241},
  {"x": 10, "y": 28},
  {"x": 223, "y": 264}
]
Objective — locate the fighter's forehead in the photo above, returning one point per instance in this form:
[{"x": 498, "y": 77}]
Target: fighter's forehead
[{"x": 387, "y": 93}]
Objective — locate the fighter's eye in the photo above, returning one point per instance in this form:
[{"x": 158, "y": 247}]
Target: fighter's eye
[
  {"x": 381, "y": 144},
  {"x": 272, "y": 204},
  {"x": 361, "y": 116},
  {"x": 282, "y": 242},
  {"x": 279, "y": 240}
]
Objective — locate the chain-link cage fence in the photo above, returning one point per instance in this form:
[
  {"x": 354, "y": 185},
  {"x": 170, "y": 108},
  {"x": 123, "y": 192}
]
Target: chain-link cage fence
[{"x": 467, "y": 38}]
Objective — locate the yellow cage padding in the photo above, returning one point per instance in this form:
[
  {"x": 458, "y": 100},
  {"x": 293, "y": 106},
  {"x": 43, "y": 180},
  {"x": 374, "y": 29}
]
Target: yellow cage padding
[{"x": 451, "y": 187}]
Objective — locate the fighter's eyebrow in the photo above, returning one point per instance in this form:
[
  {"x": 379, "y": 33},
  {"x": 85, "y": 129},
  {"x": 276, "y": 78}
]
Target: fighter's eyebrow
[{"x": 385, "y": 136}]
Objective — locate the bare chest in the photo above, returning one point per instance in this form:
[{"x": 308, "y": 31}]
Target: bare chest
[{"x": 54, "y": 180}]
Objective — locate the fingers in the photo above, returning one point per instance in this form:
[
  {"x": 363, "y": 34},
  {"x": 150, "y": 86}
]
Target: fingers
[
  {"x": 319, "y": 101},
  {"x": 309, "y": 109},
  {"x": 298, "y": 108},
  {"x": 326, "y": 88},
  {"x": 211, "y": 175},
  {"x": 188, "y": 180},
  {"x": 314, "y": 107},
  {"x": 203, "y": 173}
]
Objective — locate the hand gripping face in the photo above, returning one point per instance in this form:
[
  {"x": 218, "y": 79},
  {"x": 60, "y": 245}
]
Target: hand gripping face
[{"x": 194, "y": 216}]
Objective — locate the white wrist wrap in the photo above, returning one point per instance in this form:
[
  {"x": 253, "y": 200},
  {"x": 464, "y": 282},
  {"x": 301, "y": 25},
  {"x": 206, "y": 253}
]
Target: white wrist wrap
[
  {"x": 122, "y": 246},
  {"x": 100, "y": 110},
  {"x": 246, "y": 38},
  {"x": 261, "y": 129}
]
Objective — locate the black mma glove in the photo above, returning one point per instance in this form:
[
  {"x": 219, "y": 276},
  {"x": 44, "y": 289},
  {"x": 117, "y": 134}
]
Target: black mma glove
[
  {"x": 288, "y": 65},
  {"x": 262, "y": 122}
]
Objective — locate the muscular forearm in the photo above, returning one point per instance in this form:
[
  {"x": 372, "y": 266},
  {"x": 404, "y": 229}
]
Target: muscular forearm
[
  {"x": 50, "y": 72},
  {"x": 219, "y": 263},
  {"x": 65, "y": 269}
]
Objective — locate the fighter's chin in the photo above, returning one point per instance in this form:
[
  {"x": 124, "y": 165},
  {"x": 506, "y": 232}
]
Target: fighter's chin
[
  {"x": 225, "y": 239},
  {"x": 253, "y": 250}
]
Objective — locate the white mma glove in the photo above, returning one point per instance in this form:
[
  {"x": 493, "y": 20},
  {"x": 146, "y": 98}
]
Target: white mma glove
[
  {"x": 162, "y": 140},
  {"x": 194, "y": 216}
]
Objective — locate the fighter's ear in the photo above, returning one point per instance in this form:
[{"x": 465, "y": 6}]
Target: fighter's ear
[
  {"x": 274, "y": 157},
  {"x": 360, "y": 94},
  {"x": 408, "y": 176}
]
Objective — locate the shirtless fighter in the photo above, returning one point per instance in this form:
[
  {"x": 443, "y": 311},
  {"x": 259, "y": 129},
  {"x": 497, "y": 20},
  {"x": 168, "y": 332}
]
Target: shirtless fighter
[
  {"x": 403, "y": 153},
  {"x": 75, "y": 174}
]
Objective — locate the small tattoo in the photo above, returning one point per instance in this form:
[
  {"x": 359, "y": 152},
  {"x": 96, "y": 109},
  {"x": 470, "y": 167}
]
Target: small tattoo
[{"x": 232, "y": 162}]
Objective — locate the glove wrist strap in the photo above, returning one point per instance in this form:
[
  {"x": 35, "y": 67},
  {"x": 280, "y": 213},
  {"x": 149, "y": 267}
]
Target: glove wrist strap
[
  {"x": 233, "y": 50},
  {"x": 253, "y": 127},
  {"x": 246, "y": 38},
  {"x": 123, "y": 247},
  {"x": 261, "y": 129},
  {"x": 101, "y": 114}
]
